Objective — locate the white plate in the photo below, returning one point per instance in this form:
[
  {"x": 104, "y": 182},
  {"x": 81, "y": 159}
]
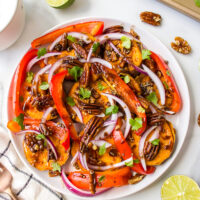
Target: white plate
[{"x": 180, "y": 121}]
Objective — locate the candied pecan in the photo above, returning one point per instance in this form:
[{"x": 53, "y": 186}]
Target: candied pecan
[
  {"x": 135, "y": 179},
  {"x": 150, "y": 150},
  {"x": 71, "y": 61},
  {"x": 44, "y": 129},
  {"x": 155, "y": 119},
  {"x": 62, "y": 44},
  {"x": 79, "y": 50},
  {"x": 92, "y": 181},
  {"x": 150, "y": 64},
  {"x": 54, "y": 173},
  {"x": 114, "y": 29},
  {"x": 180, "y": 45},
  {"x": 85, "y": 77},
  {"x": 42, "y": 102},
  {"x": 199, "y": 120},
  {"x": 95, "y": 94},
  {"x": 151, "y": 18},
  {"x": 134, "y": 34}
]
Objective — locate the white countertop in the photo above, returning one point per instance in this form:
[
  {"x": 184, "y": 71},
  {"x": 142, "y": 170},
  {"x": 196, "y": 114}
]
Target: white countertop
[{"x": 40, "y": 17}]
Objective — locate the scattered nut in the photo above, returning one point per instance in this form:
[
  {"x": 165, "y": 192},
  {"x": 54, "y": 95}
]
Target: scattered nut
[
  {"x": 180, "y": 45},
  {"x": 151, "y": 18},
  {"x": 135, "y": 179},
  {"x": 198, "y": 120}
]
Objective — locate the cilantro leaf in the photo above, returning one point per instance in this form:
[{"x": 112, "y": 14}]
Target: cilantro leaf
[
  {"x": 136, "y": 161},
  {"x": 44, "y": 86},
  {"x": 102, "y": 149},
  {"x": 75, "y": 72},
  {"x": 100, "y": 86},
  {"x": 41, "y": 52},
  {"x": 168, "y": 73},
  {"x": 165, "y": 84},
  {"x": 56, "y": 167},
  {"x": 141, "y": 109},
  {"x": 127, "y": 79},
  {"x": 126, "y": 42},
  {"x": 197, "y": 2},
  {"x": 152, "y": 98},
  {"x": 29, "y": 76},
  {"x": 112, "y": 110},
  {"x": 101, "y": 178},
  {"x": 155, "y": 142},
  {"x": 135, "y": 123},
  {"x": 95, "y": 47},
  {"x": 40, "y": 136},
  {"x": 70, "y": 101},
  {"x": 71, "y": 38},
  {"x": 20, "y": 120},
  {"x": 129, "y": 164},
  {"x": 145, "y": 54},
  {"x": 85, "y": 93}
]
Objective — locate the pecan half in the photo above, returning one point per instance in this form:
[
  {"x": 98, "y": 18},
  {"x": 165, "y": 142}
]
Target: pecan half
[
  {"x": 134, "y": 34},
  {"x": 135, "y": 179},
  {"x": 62, "y": 44},
  {"x": 150, "y": 150},
  {"x": 155, "y": 119},
  {"x": 151, "y": 18},
  {"x": 114, "y": 29},
  {"x": 85, "y": 77},
  {"x": 198, "y": 120},
  {"x": 42, "y": 102},
  {"x": 180, "y": 45},
  {"x": 79, "y": 50}
]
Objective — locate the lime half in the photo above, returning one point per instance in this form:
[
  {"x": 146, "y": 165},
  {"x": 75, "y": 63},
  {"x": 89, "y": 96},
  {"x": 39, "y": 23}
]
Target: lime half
[
  {"x": 180, "y": 187},
  {"x": 59, "y": 3}
]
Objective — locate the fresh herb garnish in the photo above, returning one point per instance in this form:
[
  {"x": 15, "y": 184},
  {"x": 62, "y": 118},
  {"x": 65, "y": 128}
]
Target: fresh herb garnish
[
  {"x": 70, "y": 101},
  {"x": 100, "y": 86},
  {"x": 155, "y": 142},
  {"x": 146, "y": 54},
  {"x": 136, "y": 161},
  {"x": 40, "y": 136},
  {"x": 126, "y": 42},
  {"x": 20, "y": 120},
  {"x": 112, "y": 110},
  {"x": 168, "y": 73},
  {"x": 141, "y": 109},
  {"x": 85, "y": 93},
  {"x": 29, "y": 76},
  {"x": 165, "y": 84},
  {"x": 127, "y": 79},
  {"x": 44, "y": 86},
  {"x": 152, "y": 98},
  {"x": 41, "y": 52},
  {"x": 75, "y": 72},
  {"x": 71, "y": 38},
  {"x": 95, "y": 47},
  {"x": 101, "y": 178},
  {"x": 102, "y": 149},
  {"x": 197, "y": 2},
  {"x": 56, "y": 167},
  {"x": 135, "y": 123},
  {"x": 129, "y": 164}
]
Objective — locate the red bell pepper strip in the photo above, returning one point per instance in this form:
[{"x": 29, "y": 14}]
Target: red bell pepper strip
[
  {"x": 58, "y": 97},
  {"x": 126, "y": 152},
  {"x": 110, "y": 178},
  {"x": 94, "y": 28},
  {"x": 17, "y": 80},
  {"x": 59, "y": 132},
  {"x": 127, "y": 94},
  {"x": 163, "y": 67}
]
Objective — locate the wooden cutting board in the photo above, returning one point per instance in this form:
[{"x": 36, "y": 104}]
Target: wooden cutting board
[{"x": 187, "y": 7}]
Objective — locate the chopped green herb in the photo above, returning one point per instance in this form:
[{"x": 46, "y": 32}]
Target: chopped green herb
[
  {"x": 70, "y": 101},
  {"x": 165, "y": 84},
  {"x": 21, "y": 98},
  {"x": 127, "y": 79},
  {"x": 135, "y": 123},
  {"x": 41, "y": 52},
  {"x": 126, "y": 42},
  {"x": 44, "y": 86},
  {"x": 112, "y": 110},
  {"x": 141, "y": 109},
  {"x": 129, "y": 164},
  {"x": 197, "y": 2},
  {"x": 146, "y": 54},
  {"x": 102, "y": 149},
  {"x": 101, "y": 178},
  {"x": 168, "y": 73},
  {"x": 40, "y": 136},
  {"x": 95, "y": 47},
  {"x": 20, "y": 120},
  {"x": 155, "y": 142},
  {"x": 75, "y": 72},
  {"x": 29, "y": 76},
  {"x": 100, "y": 86},
  {"x": 85, "y": 93},
  {"x": 136, "y": 161},
  {"x": 152, "y": 98},
  {"x": 71, "y": 38},
  {"x": 56, "y": 167}
]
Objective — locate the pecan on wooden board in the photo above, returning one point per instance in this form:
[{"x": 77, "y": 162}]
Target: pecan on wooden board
[
  {"x": 151, "y": 18},
  {"x": 180, "y": 45},
  {"x": 198, "y": 120}
]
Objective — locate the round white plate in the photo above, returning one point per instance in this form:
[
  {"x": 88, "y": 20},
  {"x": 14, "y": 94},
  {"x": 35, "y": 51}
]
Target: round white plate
[{"x": 180, "y": 120}]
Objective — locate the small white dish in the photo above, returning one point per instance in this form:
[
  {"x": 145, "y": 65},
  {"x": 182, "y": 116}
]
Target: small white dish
[
  {"x": 12, "y": 19},
  {"x": 180, "y": 120}
]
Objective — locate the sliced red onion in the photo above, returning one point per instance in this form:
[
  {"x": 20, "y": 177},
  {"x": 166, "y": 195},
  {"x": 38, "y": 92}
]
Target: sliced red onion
[
  {"x": 98, "y": 60},
  {"x": 123, "y": 127},
  {"x": 35, "y": 60},
  {"x": 100, "y": 143},
  {"x": 117, "y": 165},
  {"x": 101, "y": 115},
  {"x": 126, "y": 59},
  {"x": 56, "y": 41},
  {"x": 82, "y": 158},
  {"x": 156, "y": 134},
  {"x": 90, "y": 53},
  {"x": 78, "y": 112},
  {"x": 25, "y": 103},
  {"x": 153, "y": 110},
  {"x": 126, "y": 110},
  {"x": 46, "y": 114},
  {"x": 76, "y": 190},
  {"x": 110, "y": 122},
  {"x": 74, "y": 159},
  {"x": 141, "y": 146},
  {"x": 80, "y": 36},
  {"x": 157, "y": 82}
]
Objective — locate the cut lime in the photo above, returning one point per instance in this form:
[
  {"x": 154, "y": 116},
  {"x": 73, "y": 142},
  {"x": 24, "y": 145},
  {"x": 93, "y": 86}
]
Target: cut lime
[
  {"x": 59, "y": 3},
  {"x": 180, "y": 187}
]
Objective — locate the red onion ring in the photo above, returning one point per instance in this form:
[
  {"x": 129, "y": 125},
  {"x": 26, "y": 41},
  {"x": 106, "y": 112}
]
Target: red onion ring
[
  {"x": 35, "y": 60},
  {"x": 100, "y": 143},
  {"x": 78, "y": 112},
  {"x": 80, "y": 36},
  {"x": 82, "y": 158},
  {"x": 27, "y": 100},
  {"x": 157, "y": 82},
  {"x": 74, "y": 159},
  {"x": 90, "y": 53},
  {"x": 101, "y": 115},
  {"x": 156, "y": 134},
  {"x": 46, "y": 113},
  {"x": 117, "y": 165},
  {"x": 56, "y": 41},
  {"x": 110, "y": 122}
]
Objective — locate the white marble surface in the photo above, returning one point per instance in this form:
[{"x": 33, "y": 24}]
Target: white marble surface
[{"x": 40, "y": 17}]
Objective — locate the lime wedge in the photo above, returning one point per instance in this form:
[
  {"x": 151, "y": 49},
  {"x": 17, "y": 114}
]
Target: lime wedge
[
  {"x": 180, "y": 187},
  {"x": 59, "y": 3}
]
